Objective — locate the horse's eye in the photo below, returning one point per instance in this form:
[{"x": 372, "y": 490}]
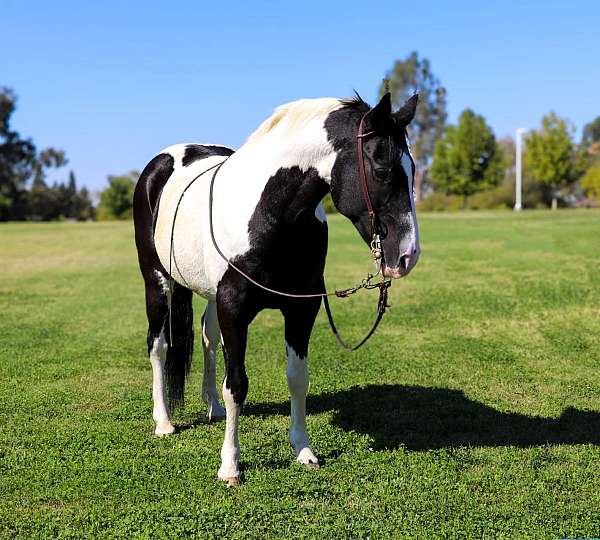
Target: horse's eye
[{"x": 383, "y": 175}]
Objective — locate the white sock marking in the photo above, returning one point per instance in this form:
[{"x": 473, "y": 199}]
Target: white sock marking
[
  {"x": 297, "y": 378},
  {"x": 160, "y": 412},
  {"x": 230, "y": 452}
]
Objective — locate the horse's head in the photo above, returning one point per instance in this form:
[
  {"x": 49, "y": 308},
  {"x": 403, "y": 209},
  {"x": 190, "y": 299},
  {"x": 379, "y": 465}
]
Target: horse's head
[{"x": 389, "y": 172}]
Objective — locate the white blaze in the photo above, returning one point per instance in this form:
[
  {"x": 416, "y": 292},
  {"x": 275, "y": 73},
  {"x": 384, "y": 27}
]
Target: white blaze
[{"x": 407, "y": 165}]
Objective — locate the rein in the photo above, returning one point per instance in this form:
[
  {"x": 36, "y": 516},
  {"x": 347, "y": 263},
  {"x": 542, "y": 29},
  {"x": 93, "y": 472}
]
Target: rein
[{"x": 366, "y": 283}]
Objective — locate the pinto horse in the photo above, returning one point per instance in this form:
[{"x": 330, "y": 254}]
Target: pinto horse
[{"x": 263, "y": 211}]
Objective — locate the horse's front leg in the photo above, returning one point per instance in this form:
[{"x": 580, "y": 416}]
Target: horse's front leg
[
  {"x": 299, "y": 319},
  {"x": 234, "y": 318}
]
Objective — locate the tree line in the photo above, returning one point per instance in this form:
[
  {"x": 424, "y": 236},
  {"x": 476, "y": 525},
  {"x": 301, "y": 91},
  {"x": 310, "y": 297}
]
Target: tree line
[
  {"x": 457, "y": 166},
  {"x": 24, "y": 189},
  {"x": 465, "y": 166},
  {"x": 27, "y": 194}
]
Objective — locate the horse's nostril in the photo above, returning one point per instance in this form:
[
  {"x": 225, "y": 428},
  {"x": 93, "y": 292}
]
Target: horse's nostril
[{"x": 404, "y": 262}]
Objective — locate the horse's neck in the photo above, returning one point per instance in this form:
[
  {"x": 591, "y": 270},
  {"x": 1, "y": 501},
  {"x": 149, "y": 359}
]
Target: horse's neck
[{"x": 306, "y": 148}]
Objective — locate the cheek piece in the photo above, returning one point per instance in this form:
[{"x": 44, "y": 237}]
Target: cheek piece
[{"x": 376, "y": 249}]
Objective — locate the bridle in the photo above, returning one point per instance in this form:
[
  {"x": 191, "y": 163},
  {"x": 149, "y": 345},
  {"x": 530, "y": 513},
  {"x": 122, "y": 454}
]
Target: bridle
[
  {"x": 366, "y": 283},
  {"x": 376, "y": 250}
]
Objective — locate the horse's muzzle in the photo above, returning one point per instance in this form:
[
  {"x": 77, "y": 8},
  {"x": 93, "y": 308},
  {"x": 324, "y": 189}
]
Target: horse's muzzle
[{"x": 406, "y": 263}]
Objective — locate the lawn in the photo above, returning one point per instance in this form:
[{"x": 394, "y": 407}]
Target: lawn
[{"x": 474, "y": 411}]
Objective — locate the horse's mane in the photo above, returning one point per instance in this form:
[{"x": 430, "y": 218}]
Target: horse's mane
[{"x": 296, "y": 114}]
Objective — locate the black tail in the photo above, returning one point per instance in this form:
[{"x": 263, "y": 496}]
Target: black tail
[{"x": 179, "y": 332}]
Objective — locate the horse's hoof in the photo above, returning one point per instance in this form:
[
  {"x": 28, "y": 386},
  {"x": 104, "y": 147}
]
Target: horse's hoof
[
  {"x": 307, "y": 458},
  {"x": 163, "y": 429},
  {"x": 214, "y": 418},
  {"x": 231, "y": 481}
]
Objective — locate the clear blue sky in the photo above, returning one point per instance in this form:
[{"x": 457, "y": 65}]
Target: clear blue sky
[{"x": 112, "y": 82}]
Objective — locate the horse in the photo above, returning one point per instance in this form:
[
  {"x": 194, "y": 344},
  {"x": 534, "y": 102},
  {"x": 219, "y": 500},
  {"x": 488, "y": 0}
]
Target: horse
[{"x": 261, "y": 208}]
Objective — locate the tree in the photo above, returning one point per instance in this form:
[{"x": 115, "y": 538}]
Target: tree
[
  {"x": 17, "y": 161},
  {"x": 70, "y": 192},
  {"x": 47, "y": 159},
  {"x": 20, "y": 163},
  {"x": 83, "y": 208},
  {"x": 43, "y": 203},
  {"x": 73, "y": 203},
  {"x": 407, "y": 77},
  {"x": 591, "y": 137},
  {"x": 116, "y": 201},
  {"x": 467, "y": 159},
  {"x": 551, "y": 156},
  {"x": 591, "y": 181}
]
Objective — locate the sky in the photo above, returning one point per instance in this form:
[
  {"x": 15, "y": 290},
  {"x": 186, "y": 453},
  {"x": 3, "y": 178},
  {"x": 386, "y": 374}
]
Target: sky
[{"x": 112, "y": 83}]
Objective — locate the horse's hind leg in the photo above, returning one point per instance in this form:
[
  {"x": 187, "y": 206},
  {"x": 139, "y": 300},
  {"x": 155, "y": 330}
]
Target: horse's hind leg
[
  {"x": 157, "y": 310},
  {"x": 211, "y": 336}
]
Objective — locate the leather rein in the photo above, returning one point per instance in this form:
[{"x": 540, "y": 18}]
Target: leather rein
[{"x": 366, "y": 283}]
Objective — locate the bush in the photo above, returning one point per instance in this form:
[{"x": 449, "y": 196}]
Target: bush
[
  {"x": 502, "y": 196},
  {"x": 535, "y": 195},
  {"x": 116, "y": 201},
  {"x": 438, "y": 202},
  {"x": 591, "y": 181}
]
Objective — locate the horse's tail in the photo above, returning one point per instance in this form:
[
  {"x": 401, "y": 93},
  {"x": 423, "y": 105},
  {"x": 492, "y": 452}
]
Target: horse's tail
[
  {"x": 168, "y": 304},
  {"x": 179, "y": 334}
]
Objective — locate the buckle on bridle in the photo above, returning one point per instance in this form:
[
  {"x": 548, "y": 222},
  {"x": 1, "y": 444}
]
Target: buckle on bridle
[{"x": 376, "y": 248}]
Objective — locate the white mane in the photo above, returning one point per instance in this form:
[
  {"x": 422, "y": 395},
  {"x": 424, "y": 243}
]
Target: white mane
[{"x": 293, "y": 115}]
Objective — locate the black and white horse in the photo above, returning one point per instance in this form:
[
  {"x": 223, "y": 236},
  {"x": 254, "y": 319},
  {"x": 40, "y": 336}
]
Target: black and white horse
[{"x": 268, "y": 220}]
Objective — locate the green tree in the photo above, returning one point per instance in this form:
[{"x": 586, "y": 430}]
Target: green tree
[
  {"x": 551, "y": 157},
  {"x": 19, "y": 164},
  {"x": 466, "y": 159},
  {"x": 73, "y": 203},
  {"x": 83, "y": 209},
  {"x": 70, "y": 194},
  {"x": 17, "y": 161},
  {"x": 591, "y": 181},
  {"x": 116, "y": 201},
  {"x": 407, "y": 77},
  {"x": 591, "y": 134},
  {"x": 47, "y": 159},
  {"x": 43, "y": 203}
]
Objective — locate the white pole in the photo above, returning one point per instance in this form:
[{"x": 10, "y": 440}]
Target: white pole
[{"x": 518, "y": 182}]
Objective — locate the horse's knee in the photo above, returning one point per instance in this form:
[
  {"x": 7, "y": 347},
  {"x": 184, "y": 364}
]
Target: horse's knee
[{"x": 235, "y": 387}]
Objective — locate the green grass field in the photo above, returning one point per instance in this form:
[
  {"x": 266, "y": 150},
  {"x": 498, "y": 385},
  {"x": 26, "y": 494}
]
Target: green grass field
[{"x": 474, "y": 412}]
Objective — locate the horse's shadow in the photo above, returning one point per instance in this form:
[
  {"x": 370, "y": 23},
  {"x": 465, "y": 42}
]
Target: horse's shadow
[{"x": 421, "y": 418}]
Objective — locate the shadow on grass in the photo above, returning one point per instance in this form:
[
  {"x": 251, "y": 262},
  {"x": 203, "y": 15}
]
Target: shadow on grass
[{"x": 421, "y": 418}]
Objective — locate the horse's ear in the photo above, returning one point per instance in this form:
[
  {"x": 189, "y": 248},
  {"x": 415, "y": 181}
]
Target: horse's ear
[
  {"x": 379, "y": 116},
  {"x": 407, "y": 112}
]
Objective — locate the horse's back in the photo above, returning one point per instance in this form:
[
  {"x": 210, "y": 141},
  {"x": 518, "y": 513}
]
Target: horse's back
[{"x": 158, "y": 193}]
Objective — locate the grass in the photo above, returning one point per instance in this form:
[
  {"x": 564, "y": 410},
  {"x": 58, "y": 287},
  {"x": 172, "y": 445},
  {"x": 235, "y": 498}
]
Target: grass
[{"x": 474, "y": 412}]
